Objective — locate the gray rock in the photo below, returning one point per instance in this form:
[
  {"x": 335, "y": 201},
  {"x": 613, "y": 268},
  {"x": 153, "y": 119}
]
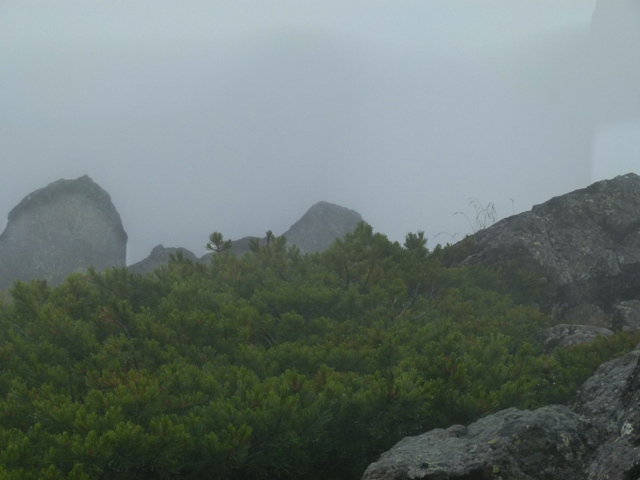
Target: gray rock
[
  {"x": 158, "y": 257},
  {"x": 585, "y": 244},
  {"x": 626, "y": 316},
  {"x": 322, "y": 224},
  {"x": 610, "y": 400},
  {"x": 550, "y": 443},
  {"x": 597, "y": 438},
  {"x": 587, "y": 314},
  {"x": 316, "y": 230},
  {"x": 64, "y": 227},
  {"x": 604, "y": 396},
  {"x": 565, "y": 335}
]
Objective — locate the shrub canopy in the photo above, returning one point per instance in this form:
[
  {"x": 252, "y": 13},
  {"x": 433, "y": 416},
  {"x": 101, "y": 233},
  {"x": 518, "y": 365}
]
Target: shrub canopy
[{"x": 270, "y": 365}]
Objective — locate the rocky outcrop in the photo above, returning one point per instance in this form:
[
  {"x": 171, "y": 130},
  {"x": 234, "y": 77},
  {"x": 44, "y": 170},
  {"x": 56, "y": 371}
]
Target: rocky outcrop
[
  {"x": 549, "y": 443},
  {"x": 597, "y": 438},
  {"x": 566, "y": 335},
  {"x": 322, "y": 224},
  {"x": 585, "y": 244},
  {"x": 160, "y": 256},
  {"x": 316, "y": 230},
  {"x": 610, "y": 401},
  {"x": 626, "y": 316},
  {"x": 64, "y": 227}
]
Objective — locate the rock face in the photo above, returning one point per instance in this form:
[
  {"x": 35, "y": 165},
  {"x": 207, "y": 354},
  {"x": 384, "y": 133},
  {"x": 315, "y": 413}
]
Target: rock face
[
  {"x": 56, "y": 230},
  {"x": 610, "y": 400},
  {"x": 597, "y": 438},
  {"x": 320, "y": 226},
  {"x": 549, "y": 443},
  {"x": 565, "y": 335},
  {"x": 160, "y": 256},
  {"x": 586, "y": 244},
  {"x": 626, "y": 316}
]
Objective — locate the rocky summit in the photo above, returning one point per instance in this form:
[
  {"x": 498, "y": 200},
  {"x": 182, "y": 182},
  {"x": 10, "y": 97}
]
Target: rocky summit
[
  {"x": 315, "y": 231},
  {"x": 321, "y": 225},
  {"x": 66, "y": 226}
]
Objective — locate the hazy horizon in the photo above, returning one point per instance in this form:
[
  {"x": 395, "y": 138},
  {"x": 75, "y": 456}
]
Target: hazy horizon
[{"x": 237, "y": 117}]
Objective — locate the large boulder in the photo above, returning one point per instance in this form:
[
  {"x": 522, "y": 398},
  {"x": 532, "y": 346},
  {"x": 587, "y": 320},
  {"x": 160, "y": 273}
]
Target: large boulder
[
  {"x": 610, "y": 400},
  {"x": 598, "y": 437},
  {"x": 322, "y": 224},
  {"x": 586, "y": 244},
  {"x": 550, "y": 443},
  {"x": 66, "y": 226}
]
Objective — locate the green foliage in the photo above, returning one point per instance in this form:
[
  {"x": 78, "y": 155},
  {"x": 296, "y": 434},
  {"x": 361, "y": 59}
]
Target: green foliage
[
  {"x": 484, "y": 216},
  {"x": 270, "y": 365},
  {"x": 217, "y": 243},
  {"x": 580, "y": 361}
]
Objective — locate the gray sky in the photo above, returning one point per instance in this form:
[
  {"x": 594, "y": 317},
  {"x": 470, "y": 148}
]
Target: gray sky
[{"x": 237, "y": 116}]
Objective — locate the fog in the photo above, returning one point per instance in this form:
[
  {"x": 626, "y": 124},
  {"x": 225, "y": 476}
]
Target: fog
[{"x": 238, "y": 116}]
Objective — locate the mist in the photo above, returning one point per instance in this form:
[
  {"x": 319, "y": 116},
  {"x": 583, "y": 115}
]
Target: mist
[{"x": 238, "y": 116}]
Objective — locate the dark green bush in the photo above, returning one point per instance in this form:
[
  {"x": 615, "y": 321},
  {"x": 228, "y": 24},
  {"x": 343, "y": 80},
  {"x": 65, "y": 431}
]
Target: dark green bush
[{"x": 270, "y": 365}]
